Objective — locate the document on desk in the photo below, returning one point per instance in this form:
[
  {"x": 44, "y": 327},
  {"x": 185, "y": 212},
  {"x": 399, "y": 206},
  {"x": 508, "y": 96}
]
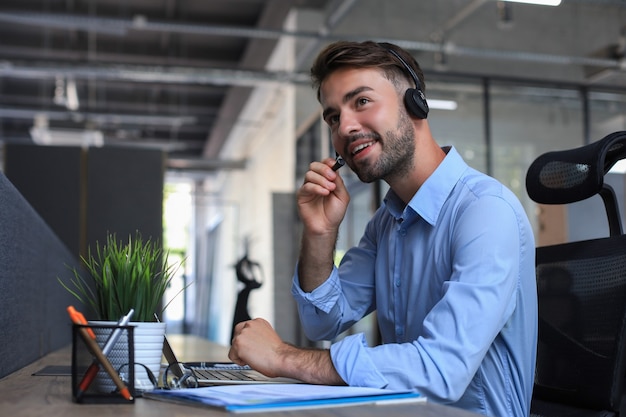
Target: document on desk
[{"x": 277, "y": 397}]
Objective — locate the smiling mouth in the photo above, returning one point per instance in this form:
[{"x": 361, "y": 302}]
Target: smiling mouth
[{"x": 361, "y": 147}]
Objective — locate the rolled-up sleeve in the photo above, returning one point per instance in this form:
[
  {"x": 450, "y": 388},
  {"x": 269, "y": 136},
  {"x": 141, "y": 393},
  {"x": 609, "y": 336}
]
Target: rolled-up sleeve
[
  {"x": 320, "y": 310},
  {"x": 323, "y": 297},
  {"x": 353, "y": 363}
]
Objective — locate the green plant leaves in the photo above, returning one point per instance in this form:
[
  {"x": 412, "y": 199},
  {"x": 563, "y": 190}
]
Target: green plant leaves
[{"x": 128, "y": 275}]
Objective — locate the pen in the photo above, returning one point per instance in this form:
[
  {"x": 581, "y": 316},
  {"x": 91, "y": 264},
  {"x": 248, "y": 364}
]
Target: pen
[
  {"x": 92, "y": 371},
  {"x": 89, "y": 337}
]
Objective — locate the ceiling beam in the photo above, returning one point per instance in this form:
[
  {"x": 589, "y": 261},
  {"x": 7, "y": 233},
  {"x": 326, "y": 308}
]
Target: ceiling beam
[{"x": 255, "y": 56}]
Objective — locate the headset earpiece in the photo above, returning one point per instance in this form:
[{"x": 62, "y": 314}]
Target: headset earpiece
[
  {"x": 415, "y": 102},
  {"x": 414, "y": 98}
]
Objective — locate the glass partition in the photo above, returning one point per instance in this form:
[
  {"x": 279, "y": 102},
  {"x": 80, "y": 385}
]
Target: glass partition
[
  {"x": 457, "y": 117},
  {"x": 607, "y": 113},
  {"x": 527, "y": 121}
]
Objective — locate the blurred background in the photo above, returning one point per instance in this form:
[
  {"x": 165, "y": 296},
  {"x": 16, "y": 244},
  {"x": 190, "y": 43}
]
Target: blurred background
[{"x": 194, "y": 120}]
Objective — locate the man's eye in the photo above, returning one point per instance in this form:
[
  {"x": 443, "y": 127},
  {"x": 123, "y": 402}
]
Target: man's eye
[
  {"x": 331, "y": 120},
  {"x": 362, "y": 101}
]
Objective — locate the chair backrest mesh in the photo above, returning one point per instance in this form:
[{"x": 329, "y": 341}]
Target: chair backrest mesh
[{"x": 582, "y": 309}]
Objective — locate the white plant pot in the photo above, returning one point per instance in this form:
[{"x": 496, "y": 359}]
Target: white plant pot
[{"x": 148, "y": 338}]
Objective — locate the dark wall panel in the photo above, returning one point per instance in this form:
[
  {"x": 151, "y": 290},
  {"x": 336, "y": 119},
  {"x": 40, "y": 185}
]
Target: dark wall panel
[
  {"x": 83, "y": 194},
  {"x": 124, "y": 193},
  {"x": 49, "y": 178}
]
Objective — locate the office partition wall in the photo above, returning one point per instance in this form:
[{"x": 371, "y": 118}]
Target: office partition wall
[{"x": 83, "y": 194}]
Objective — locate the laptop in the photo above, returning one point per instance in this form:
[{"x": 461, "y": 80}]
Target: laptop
[{"x": 218, "y": 373}]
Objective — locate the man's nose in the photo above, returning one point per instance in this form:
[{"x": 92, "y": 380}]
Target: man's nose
[{"x": 348, "y": 124}]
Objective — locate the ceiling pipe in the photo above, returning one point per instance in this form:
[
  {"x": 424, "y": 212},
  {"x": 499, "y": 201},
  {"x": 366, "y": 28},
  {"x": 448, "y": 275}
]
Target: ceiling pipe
[
  {"x": 99, "y": 118},
  {"x": 148, "y": 73},
  {"x": 197, "y": 164},
  {"x": 64, "y": 21},
  {"x": 209, "y": 76}
]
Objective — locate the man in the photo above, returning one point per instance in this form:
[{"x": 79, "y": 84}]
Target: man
[{"x": 447, "y": 261}]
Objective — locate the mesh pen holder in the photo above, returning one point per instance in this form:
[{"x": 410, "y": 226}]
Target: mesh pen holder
[{"x": 91, "y": 387}]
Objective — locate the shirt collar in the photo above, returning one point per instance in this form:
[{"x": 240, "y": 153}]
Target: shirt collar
[{"x": 431, "y": 196}]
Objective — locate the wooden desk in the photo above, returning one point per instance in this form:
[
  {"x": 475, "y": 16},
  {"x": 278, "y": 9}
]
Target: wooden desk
[{"x": 25, "y": 395}]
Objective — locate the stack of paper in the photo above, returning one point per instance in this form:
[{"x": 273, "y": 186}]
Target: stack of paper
[{"x": 274, "y": 397}]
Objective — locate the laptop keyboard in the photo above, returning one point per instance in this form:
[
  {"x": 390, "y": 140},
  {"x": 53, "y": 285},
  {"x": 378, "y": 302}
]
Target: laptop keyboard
[{"x": 227, "y": 375}]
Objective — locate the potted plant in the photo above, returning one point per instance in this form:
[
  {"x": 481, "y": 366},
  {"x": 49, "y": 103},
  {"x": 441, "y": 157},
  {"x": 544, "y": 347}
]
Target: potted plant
[{"x": 118, "y": 277}]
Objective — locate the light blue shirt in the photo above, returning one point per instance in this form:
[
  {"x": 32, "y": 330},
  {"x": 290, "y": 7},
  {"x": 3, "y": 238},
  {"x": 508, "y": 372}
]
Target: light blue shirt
[{"x": 451, "y": 276}]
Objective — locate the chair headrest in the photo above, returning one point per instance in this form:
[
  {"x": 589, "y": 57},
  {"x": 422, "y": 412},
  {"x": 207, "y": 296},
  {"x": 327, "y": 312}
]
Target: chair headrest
[{"x": 567, "y": 176}]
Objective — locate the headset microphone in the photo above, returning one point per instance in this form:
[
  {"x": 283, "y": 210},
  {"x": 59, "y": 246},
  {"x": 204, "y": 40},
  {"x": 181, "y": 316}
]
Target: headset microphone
[{"x": 339, "y": 162}]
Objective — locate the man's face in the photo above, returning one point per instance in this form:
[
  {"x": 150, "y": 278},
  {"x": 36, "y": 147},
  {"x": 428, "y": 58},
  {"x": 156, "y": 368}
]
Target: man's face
[{"x": 369, "y": 125}]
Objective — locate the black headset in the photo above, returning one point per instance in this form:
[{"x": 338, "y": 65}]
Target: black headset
[{"x": 414, "y": 98}]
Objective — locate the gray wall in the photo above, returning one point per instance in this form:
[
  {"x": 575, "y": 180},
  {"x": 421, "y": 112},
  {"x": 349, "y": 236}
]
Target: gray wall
[
  {"x": 33, "y": 316},
  {"x": 285, "y": 255}
]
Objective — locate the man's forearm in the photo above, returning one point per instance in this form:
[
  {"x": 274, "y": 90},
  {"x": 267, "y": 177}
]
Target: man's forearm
[{"x": 316, "y": 260}]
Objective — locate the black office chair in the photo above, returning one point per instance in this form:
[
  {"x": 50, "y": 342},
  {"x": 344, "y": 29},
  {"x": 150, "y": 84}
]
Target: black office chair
[{"x": 581, "y": 289}]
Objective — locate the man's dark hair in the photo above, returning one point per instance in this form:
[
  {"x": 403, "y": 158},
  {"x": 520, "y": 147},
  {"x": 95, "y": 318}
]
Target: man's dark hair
[{"x": 366, "y": 54}]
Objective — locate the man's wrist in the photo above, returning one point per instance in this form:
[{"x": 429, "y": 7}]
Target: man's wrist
[{"x": 310, "y": 365}]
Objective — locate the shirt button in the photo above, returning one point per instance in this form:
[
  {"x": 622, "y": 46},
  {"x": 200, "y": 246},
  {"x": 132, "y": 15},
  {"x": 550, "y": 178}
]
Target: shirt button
[
  {"x": 397, "y": 283},
  {"x": 402, "y": 232}
]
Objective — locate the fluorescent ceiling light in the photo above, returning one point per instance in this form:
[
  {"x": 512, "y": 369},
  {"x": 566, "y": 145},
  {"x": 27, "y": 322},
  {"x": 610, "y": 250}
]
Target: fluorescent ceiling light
[
  {"x": 540, "y": 2},
  {"x": 71, "y": 97},
  {"x": 442, "y": 104},
  {"x": 66, "y": 137}
]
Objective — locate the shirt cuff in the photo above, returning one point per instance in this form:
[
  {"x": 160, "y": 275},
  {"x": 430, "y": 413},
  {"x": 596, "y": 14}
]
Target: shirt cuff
[
  {"x": 323, "y": 297},
  {"x": 354, "y": 364}
]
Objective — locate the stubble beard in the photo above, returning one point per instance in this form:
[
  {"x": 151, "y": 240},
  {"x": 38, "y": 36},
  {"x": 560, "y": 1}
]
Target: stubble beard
[{"x": 397, "y": 157}]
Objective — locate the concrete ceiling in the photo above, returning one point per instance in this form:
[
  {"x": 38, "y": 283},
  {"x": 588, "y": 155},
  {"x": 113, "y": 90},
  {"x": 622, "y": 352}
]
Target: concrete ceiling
[{"x": 175, "y": 73}]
